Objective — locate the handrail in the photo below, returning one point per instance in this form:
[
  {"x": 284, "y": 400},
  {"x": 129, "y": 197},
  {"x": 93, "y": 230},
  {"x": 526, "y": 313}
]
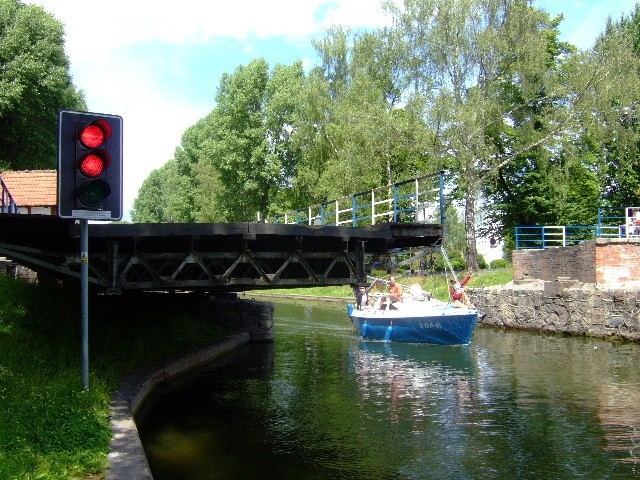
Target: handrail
[
  {"x": 417, "y": 199},
  {"x": 7, "y": 203},
  {"x": 549, "y": 236},
  {"x": 613, "y": 222}
]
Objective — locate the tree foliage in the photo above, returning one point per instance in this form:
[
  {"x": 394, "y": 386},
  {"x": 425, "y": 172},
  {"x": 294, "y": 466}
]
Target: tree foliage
[
  {"x": 357, "y": 131},
  {"x": 241, "y": 159},
  {"x": 489, "y": 73},
  {"x": 34, "y": 85},
  {"x": 616, "y": 138},
  {"x": 541, "y": 132}
]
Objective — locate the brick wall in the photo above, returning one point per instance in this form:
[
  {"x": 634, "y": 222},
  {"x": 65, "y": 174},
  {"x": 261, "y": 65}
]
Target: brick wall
[
  {"x": 617, "y": 261},
  {"x": 600, "y": 261}
]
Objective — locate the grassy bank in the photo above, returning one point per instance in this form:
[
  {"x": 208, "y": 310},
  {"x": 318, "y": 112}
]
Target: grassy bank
[
  {"x": 436, "y": 284},
  {"x": 49, "y": 427}
]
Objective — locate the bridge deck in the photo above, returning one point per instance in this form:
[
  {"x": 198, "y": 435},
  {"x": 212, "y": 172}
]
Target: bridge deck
[{"x": 206, "y": 256}]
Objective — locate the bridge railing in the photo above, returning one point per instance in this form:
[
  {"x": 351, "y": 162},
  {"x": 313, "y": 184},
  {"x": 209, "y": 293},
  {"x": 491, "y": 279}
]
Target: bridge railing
[
  {"x": 613, "y": 222},
  {"x": 7, "y": 204},
  {"x": 419, "y": 199},
  {"x": 548, "y": 236}
]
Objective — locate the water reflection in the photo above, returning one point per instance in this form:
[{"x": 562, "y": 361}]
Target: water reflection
[
  {"x": 619, "y": 414},
  {"x": 324, "y": 404},
  {"x": 435, "y": 381}
]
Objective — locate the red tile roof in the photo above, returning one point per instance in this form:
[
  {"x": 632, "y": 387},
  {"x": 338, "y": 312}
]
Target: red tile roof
[{"x": 32, "y": 188}]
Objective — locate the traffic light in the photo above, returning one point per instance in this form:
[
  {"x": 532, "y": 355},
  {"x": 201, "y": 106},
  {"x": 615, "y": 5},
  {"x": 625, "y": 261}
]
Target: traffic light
[{"x": 89, "y": 166}]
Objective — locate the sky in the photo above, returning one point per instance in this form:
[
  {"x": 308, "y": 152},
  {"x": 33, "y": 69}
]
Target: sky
[{"x": 158, "y": 64}]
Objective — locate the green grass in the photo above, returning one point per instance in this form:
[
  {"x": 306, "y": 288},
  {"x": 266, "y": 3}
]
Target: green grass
[
  {"x": 341, "y": 291},
  {"x": 49, "y": 427},
  {"x": 436, "y": 284}
]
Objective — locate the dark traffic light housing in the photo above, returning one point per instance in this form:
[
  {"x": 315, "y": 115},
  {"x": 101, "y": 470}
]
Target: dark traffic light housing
[{"x": 89, "y": 166}]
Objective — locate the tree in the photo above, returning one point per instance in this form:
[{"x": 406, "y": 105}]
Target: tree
[
  {"x": 34, "y": 85},
  {"x": 148, "y": 206},
  {"x": 249, "y": 149},
  {"x": 238, "y": 161},
  {"x": 489, "y": 71},
  {"x": 618, "y": 131},
  {"x": 170, "y": 194},
  {"x": 582, "y": 146},
  {"x": 358, "y": 132}
]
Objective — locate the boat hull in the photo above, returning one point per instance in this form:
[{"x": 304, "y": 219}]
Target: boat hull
[{"x": 443, "y": 325}]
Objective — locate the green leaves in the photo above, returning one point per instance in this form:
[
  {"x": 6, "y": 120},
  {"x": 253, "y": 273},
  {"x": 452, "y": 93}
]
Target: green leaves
[
  {"x": 34, "y": 84},
  {"x": 237, "y": 162}
]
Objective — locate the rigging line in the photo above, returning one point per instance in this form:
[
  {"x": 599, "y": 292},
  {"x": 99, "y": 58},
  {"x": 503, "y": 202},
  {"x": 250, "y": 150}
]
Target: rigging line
[
  {"x": 446, "y": 259},
  {"x": 455, "y": 277}
]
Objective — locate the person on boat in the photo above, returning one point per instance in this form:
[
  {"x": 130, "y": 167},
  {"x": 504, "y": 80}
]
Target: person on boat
[
  {"x": 394, "y": 295},
  {"x": 458, "y": 295},
  {"x": 362, "y": 298}
]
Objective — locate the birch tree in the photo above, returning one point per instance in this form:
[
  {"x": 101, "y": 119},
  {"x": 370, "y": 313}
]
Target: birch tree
[{"x": 480, "y": 64}]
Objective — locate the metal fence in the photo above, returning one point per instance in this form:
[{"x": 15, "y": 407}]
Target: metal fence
[
  {"x": 613, "y": 222},
  {"x": 548, "y": 236},
  {"x": 419, "y": 199},
  {"x": 618, "y": 222}
]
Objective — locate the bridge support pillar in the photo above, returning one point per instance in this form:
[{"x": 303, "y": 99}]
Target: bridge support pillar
[{"x": 252, "y": 316}]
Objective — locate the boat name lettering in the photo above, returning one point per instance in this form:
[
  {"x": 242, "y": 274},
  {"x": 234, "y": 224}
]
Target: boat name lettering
[{"x": 431, "y": 325}]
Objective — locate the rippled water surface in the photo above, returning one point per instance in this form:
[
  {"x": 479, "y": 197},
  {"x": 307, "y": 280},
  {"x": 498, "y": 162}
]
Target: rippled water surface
[{"x": 320, "y": 403}]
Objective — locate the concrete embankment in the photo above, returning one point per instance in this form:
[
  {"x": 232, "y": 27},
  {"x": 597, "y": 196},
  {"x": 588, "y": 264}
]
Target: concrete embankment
[
  {"x": 564, "y": 306},
  {"x": 127, "y": 459},
  {"x": 253, "y": 319}
]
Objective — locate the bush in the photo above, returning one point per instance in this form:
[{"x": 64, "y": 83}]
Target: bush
[
  {"x": 499, "y": 263},
  {"x": 457, "y": 261}
]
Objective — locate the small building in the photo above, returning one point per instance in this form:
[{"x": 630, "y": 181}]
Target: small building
[
  {"x": 27, "y": 192},
  {"x": 32, "y": 192}
]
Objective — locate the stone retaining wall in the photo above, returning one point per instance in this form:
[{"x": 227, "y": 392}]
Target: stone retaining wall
[
  {"x": 563, "y": 306},
  {"x": 246, "y": 315}
]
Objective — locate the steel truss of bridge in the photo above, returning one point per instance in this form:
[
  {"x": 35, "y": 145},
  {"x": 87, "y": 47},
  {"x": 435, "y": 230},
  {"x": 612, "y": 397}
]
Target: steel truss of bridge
[{"x": 214, "y": 257}]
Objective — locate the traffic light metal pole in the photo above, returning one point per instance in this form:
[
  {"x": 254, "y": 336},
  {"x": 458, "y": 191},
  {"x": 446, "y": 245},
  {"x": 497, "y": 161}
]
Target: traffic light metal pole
[{"x": 84, "y": 299}]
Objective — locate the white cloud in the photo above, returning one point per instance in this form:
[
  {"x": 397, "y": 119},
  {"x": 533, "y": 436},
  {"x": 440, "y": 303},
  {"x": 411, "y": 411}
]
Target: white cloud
[
  {"x": 103, "y": 37},
  {"x": 195, "y": 21}
]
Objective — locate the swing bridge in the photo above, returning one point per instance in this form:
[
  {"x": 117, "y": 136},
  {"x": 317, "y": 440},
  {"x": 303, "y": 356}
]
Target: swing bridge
[{"x": 335, "y": 243}]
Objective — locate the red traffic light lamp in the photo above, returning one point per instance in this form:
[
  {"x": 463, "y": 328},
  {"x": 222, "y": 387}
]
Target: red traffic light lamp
[
  {"x": 95, "y": 134},
  {"x": 89, "y": 166}
]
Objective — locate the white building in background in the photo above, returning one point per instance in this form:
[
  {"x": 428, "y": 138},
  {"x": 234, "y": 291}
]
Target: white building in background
[{"x": 491, "y": 248}]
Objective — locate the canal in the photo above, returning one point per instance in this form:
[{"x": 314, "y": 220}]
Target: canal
[{"x": 319, "y": 403}]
